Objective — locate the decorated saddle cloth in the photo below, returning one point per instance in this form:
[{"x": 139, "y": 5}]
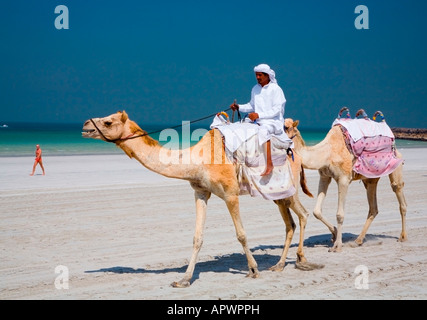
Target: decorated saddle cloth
[
  {"x": 243, "y": 148},
  {"x": 373, "y": 145}
]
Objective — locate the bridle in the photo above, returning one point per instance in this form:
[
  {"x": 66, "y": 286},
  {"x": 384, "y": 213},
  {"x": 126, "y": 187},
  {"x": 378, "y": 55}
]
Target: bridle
[
  {"x": 131, "y": 136},
  {"x": 292, "y": 138}
]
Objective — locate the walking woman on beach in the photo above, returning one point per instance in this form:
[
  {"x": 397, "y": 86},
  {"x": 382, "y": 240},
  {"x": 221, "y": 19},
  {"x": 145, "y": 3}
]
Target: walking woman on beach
[{"x": 38, "y": 160}]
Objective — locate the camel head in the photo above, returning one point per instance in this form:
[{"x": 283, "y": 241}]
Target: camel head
[
  {"x": 291, "y": 127},
  {"x": 112, "y": 128}
]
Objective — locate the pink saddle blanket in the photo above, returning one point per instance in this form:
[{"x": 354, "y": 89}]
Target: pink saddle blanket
[{"x": 376, "y": 156}]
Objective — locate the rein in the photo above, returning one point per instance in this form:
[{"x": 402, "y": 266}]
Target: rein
[{"x": 148, "y": 133}]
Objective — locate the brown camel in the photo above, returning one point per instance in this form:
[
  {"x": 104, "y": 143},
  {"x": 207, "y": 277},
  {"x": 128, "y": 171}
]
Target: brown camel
[
  {"x": 209, "y": 172},
  {"x": 333, "y": 160}
]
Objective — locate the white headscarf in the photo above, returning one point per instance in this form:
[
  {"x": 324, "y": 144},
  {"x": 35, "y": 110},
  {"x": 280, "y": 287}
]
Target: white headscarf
[{"x": 265, "y": 68}]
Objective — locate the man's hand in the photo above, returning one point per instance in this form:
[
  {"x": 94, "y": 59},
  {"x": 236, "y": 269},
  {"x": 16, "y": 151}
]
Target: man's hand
[
  {"x": 253, "y": 116},
  {"x": 234, "y": 106}
]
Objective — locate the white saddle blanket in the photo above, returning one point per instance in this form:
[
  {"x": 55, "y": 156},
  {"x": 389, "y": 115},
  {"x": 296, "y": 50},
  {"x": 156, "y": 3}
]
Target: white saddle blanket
[
  {"x": 250, "y": 161},
  {"x": 362, "y": 128},
  {"x": 243, "y": 148}
]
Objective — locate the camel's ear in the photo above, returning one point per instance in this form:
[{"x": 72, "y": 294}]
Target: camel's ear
[
  {"x": 124, "y": 116},
  {"x": 296, "y": 123}
]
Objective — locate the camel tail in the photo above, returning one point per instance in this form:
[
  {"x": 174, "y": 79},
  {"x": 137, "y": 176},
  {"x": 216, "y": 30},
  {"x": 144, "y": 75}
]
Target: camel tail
[{"x": 303, "y": 183}]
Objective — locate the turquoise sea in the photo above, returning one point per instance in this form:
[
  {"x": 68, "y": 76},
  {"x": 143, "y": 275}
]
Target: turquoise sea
[{"x": 19, "y": 139}]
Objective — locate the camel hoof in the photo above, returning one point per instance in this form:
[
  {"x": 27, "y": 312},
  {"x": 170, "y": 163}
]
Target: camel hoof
[
  {"x": 403, "y": 238},
  {"x": 301, "y": 258},
  {"x": 181, "y": 284},
  {"x": 253, "y": 273},
  {"x": 335, "y": 248},
  {"x": 359, "y": 241},
  {"x": 278, "y": 267}
]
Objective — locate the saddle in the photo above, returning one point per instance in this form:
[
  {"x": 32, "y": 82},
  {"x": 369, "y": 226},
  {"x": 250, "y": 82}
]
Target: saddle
[
  {"x": 371, "y": 142},
  {"x": 242, "y": 147}
]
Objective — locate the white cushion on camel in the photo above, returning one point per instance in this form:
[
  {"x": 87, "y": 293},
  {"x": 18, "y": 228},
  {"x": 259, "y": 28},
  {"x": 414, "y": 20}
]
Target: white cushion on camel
[
  {"x": 360, "y": 128},
  {"x": 239, "y": 132}
]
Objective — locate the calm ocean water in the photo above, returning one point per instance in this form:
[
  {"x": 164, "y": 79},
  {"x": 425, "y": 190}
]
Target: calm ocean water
[{"x": 19, "y": 139}]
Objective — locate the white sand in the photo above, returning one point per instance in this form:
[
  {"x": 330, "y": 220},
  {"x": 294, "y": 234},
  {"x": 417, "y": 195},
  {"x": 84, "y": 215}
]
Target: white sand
[{"x": 124, "y": 232}]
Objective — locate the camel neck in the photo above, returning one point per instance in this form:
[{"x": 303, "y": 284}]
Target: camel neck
[
  {"x": 314, "y": 157},
  {"x": 167, "y": 162}
]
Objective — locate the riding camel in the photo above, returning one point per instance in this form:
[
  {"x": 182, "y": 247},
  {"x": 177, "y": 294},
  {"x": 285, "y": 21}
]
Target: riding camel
[
  {"x": 333, "y": 160},
  {"x": 210, "y": 173}
]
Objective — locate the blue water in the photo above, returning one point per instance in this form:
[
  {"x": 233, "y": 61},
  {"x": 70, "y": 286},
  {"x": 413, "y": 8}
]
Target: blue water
[{"x": 19, "y": 139}]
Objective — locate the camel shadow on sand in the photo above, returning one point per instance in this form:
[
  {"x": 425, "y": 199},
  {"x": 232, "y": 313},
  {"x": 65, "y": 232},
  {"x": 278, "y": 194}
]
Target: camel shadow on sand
[
  {"x": 236, "y": 263},
  {"x": 347, "y": 240},
  {"x": 325, "y": 240}
]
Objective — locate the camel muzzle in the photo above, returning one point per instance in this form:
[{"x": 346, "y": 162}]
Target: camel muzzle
[{"x": 88, "y": 130}]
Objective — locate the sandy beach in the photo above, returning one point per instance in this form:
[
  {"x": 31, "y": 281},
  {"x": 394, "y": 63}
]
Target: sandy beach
[{"x": 119, "y": 231}]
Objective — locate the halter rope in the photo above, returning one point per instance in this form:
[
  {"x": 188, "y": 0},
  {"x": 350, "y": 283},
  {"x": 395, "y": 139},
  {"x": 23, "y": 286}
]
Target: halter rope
[{"x": 148, "y": 133}]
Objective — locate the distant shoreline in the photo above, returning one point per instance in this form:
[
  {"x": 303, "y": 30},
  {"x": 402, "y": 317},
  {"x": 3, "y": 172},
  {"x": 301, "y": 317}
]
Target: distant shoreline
[{"x": 410, "y": 134}]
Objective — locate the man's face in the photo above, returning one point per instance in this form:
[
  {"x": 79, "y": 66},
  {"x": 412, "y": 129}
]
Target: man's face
[{"x": 262, "y": 78}]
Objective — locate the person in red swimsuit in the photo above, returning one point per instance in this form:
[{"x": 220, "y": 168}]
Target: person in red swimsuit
[{"x": 38, "y": 160}]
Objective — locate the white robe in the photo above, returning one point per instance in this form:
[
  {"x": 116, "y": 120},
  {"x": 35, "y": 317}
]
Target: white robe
[{"x": 269, "y": 102}]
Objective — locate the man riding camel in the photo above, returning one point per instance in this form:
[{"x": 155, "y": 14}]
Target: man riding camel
[{"x": 266, "y": 108}]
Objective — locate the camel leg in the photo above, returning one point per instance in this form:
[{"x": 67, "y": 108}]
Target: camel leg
[
  {"x": 201, "y": 204},
  {"x": 371, "y": 191},
  {"x": 283, "y": 205},
  {"x": 343, "y": 184},
  {"x": 298, "y": 208},
  {"x": 324, "y": 183},
  {"x": 302, "y": 214},
  {"x": 232, "y": 203},
  {"x": 396, "y": 180}
]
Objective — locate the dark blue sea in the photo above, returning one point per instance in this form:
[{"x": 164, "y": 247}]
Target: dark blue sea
[{"x": 59, "y": 139}]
